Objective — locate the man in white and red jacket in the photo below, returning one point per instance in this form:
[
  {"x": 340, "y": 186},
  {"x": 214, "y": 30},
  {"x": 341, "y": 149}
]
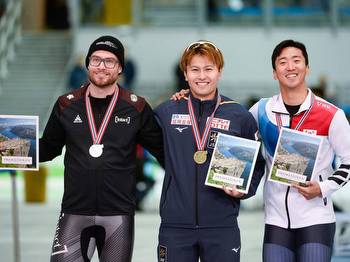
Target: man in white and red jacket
[{"x": 299, "y": 220}]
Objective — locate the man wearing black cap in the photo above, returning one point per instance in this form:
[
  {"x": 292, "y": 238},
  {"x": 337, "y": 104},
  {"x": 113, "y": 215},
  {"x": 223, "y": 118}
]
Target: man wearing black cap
[{"x": 100, "y": 124}]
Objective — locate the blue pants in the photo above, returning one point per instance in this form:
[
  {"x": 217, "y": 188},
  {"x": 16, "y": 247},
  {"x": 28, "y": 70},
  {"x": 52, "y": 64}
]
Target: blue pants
[
  {"x": 208, "y": 244},
  {"x": 306, "y": 244}
]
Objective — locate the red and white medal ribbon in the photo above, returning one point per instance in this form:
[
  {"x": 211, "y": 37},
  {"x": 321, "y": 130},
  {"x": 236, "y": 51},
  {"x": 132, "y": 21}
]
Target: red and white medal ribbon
[
  {"x": 301, "y": 121},
  {"x": 200, "y": 141},
  {"x": 96, "y": 149}
]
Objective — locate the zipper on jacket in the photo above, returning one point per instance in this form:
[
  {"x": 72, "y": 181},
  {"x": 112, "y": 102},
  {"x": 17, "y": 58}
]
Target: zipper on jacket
[
  {"x": 97, "y": 207},
  {"x": 286, "y": 203},
  {"x": 325, "y": 198},
  {"x": 98, "y": 112},
  {"x": 96, "y": 116},
  {"x": 288, "y": 189},
  {"x": 196, "y": 197},
  {"x": 200, "y": 115}
]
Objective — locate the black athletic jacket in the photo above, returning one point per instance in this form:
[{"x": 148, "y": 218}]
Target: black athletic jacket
[{"x": 105, "y": 185}]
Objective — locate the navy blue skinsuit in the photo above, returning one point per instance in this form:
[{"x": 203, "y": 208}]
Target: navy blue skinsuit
[{"x": 198, "y": 220}]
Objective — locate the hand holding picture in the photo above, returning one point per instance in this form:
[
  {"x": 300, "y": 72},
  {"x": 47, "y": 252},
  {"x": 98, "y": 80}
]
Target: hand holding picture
[
  {"x": 232, "y": 191},
  {"x": 310, "y": 191}
]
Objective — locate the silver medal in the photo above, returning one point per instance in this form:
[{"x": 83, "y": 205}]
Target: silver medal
[{"x": 96, "y": 150}]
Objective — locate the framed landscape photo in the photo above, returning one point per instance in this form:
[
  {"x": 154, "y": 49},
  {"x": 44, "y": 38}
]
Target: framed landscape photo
[
  {"x": 19, "y": 142},
  {"x": 295, "y": 157},
  {"x": 232, "y": 163}
]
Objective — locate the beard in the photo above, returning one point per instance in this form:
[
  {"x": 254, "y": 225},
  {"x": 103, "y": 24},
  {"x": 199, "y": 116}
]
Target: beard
[{"x": 102, "y": 82}]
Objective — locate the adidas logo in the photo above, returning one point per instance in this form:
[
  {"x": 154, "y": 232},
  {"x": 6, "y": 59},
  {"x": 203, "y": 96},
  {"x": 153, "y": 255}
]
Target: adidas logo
[{"x": 77, "y": 120}]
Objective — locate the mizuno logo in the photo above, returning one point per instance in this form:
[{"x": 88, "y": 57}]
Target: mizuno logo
[
  {"x": 180, "y": 129},
  {"x": 77, "y": 120},
  {"x": 235, "y": 249}
]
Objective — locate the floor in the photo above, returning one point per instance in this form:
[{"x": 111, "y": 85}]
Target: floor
[{"x": 37, "y": 222}]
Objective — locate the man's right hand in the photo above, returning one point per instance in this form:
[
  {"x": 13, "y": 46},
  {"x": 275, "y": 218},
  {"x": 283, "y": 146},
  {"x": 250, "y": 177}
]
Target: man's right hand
[{"x": 178, "y": 95}]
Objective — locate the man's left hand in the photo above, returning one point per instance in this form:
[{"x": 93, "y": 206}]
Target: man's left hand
[
  {"x": 310, "y": 191},
  {"x": 232, "y": 191}
]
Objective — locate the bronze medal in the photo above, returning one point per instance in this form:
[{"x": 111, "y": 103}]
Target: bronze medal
[{"x": 200, "y": 156}]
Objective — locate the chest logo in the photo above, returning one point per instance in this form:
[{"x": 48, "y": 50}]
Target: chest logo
[
  {"x": 126, "y": 120},
  {"x": 220, "y": 123},
  {"x": 212, "y": 139},
  {"x": 77, "y": 120},
  {"x": 180, "y": 129},
  {"x": 180, "y": 119},
  {"x": 310, "y": 131}
]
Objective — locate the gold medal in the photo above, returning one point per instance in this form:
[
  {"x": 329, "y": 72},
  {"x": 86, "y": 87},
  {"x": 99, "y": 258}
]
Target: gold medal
[{"x": 200, "y": 156}]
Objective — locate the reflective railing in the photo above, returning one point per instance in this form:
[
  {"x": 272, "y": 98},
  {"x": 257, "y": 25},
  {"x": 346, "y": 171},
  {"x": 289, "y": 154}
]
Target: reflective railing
[
  {"x": 10, "y": 33},
  {"x": 262, "y": 13},
  {"x": 333, "y": 13}
]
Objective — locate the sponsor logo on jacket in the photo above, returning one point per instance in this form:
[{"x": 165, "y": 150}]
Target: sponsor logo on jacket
[
  {"x": 220, "y": 123},
  {"x": 180, "y": 119},
  {"x": 122, "y": 120},
  {"x": 185, "y": 120}
]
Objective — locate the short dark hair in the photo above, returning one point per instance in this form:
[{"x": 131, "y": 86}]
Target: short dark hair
[{"x": 288, "y": 43}]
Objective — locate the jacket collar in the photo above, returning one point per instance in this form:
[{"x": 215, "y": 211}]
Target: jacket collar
[
  {"x": 205, "y": 102},
  {"x": 279, "y": 107}
]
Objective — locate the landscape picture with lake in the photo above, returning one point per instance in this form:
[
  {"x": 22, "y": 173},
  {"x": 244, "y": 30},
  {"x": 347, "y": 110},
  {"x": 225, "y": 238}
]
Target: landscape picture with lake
[
  {"x": 18, "y": 142},
  {"x": 295, "y": 156},
  {"x": 233, "y": 160}
]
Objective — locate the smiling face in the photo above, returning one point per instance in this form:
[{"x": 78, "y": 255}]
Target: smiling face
[
  {"x": 291, "y": 69},
  {"x": 103, "y": 77},
  {"x": 202, "y": 75}
]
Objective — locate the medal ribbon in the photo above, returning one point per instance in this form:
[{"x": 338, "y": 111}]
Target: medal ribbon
[
  {"x": 97, "y": 136},
  {"x": 301, "y": 121},
  {"x": 201, "y": 141}
]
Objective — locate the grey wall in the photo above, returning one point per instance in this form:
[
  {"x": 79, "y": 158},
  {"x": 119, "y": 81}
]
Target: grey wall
[{"x": 246, "y": 51}]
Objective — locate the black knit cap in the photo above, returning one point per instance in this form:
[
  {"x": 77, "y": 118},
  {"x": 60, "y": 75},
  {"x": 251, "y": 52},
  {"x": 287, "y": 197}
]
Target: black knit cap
[{"x": 107, "y": 43}]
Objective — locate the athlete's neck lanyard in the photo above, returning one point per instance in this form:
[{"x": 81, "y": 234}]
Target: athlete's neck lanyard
[
  {"x": 200, "y": 156},
  {"x": 301, "y": 121},
  {"x": 96, "y": 149}
]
